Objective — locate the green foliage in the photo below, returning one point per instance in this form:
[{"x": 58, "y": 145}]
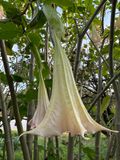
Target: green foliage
[
  {"x": 89, "y": 152},
  {"x": 51, "y": 154},
  {"x": 10, "y": 10},
  {"x": 9, "y": 30},
  {"x": 31, "y": 94},
  {"x": 105, "y": 104},
  {"x": 17, "y": 78},
  {"x": 36, "y": 39},
  {"x": 38, "y": 21},
  {"x": 3, "y": 78}
]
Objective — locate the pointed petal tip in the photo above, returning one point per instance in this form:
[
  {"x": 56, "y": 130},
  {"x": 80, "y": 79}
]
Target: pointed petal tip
[
  {"x": 113, "y": 131},
  {"x": 27, "y": 132}
]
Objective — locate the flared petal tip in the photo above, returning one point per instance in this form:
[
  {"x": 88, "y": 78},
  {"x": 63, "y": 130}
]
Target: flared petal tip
[
  {"x": 27, "y": 132},
  {"x": 113, "y": 131}
]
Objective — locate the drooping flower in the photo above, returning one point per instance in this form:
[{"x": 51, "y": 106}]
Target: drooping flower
[
  {"x": 42, "y": 104},
  {"x": 66, "y": 111},
  {"x": 117, "y": 23},
  {"x": 2, "y": 14},
  {"x": 95, "y": 35}
]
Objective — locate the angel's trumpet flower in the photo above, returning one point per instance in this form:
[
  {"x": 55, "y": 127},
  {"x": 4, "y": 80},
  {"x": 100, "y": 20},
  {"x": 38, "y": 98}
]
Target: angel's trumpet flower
[
  {"x": 66, "y": 111},
  {"x": 117, "y": 23},
  {"x": 42, "y": 104},
  {"x": 95, "y": 36},
  {"x": 2, "y": 14}
]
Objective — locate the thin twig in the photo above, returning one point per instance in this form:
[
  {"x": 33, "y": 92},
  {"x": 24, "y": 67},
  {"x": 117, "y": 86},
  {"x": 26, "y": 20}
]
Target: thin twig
[
  {"x": 106, "y": 87},
  {"x": 97, "y": 136},
  {"x": 6, "y": 126},
  {"x": 98, "y": 50},
  {"x": 103, "y": 14},
  {"x": 81, "y": 35}
]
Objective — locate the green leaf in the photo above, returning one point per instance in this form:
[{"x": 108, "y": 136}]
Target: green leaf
[
  {"x": 36, "y": 39},
  {"x": 9, "y": 48},
  {"x": 48, "y": 83},
  {"x": 9, "y": 30},
  {"x": 89, "y": 152},
  {"x": 46, "y": 70},
  {"x": 41, "y": 147},
  {"x": 12, "y": 12},
  {"x": 10, "y": 9},
  {"x": 38, "y": 20},
  {"x": 3, "y": 78},
  {"x": 31, "y": 94},
  {"x": 116, "y": 54},
  {"x": 105, "y": 104},
  {"x": 17, "y": 78}
]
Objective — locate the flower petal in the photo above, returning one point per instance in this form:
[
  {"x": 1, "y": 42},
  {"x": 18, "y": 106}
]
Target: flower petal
[{"x": 42, "y": 105}]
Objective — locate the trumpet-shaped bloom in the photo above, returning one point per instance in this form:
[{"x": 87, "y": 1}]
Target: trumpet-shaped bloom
[
  {"x": 117, "y": 23},
  {"x": 42, "y": 105},
  {"x": 95, "y": 36},
  {"x": 2, "y": 14},
  {"x": 66, "y": 111}
]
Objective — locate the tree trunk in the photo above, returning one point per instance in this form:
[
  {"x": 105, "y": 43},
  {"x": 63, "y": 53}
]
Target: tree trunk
[
  {"x": 14, "y": 101},
  {"x": 31, "y": 107},
  {"x": 70, "y": 147},
  {"x": 111, "y": 147},
  {"x": 36, "y": 152},
  {"x": 115, "y": 87},
  {"x": 97, "y": 138},
  {"x": 57, "y": 147},
  {"x": 6, "y": 126}
]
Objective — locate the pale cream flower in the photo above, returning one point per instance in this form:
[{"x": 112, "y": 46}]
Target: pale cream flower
[
  {"x": 117, "y": 23},
  {"x": 95, "y": 36},
  {"x": 66, "y": 111},
  {"x": 42, "y": 104},
  {"x": 2, "y": 14}
]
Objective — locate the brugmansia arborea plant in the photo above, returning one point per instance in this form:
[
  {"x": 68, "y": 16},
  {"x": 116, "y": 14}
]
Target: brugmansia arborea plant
[{"x": 66, "y": 111}]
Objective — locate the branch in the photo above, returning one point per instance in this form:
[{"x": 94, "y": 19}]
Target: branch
[
  {"x": 106, "y": 87},
  {"x": 103, "y": 14},
  {"x": 112, "y": 38},
  {"x": 26, "y": 7},
  {"x": 6, "y": 126},
  {"x": 117, "y": 94},
  {"x": 98, "y": 50},
  {"x": 14, "y": 100},
  {"x": 81, "y": 35}
]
